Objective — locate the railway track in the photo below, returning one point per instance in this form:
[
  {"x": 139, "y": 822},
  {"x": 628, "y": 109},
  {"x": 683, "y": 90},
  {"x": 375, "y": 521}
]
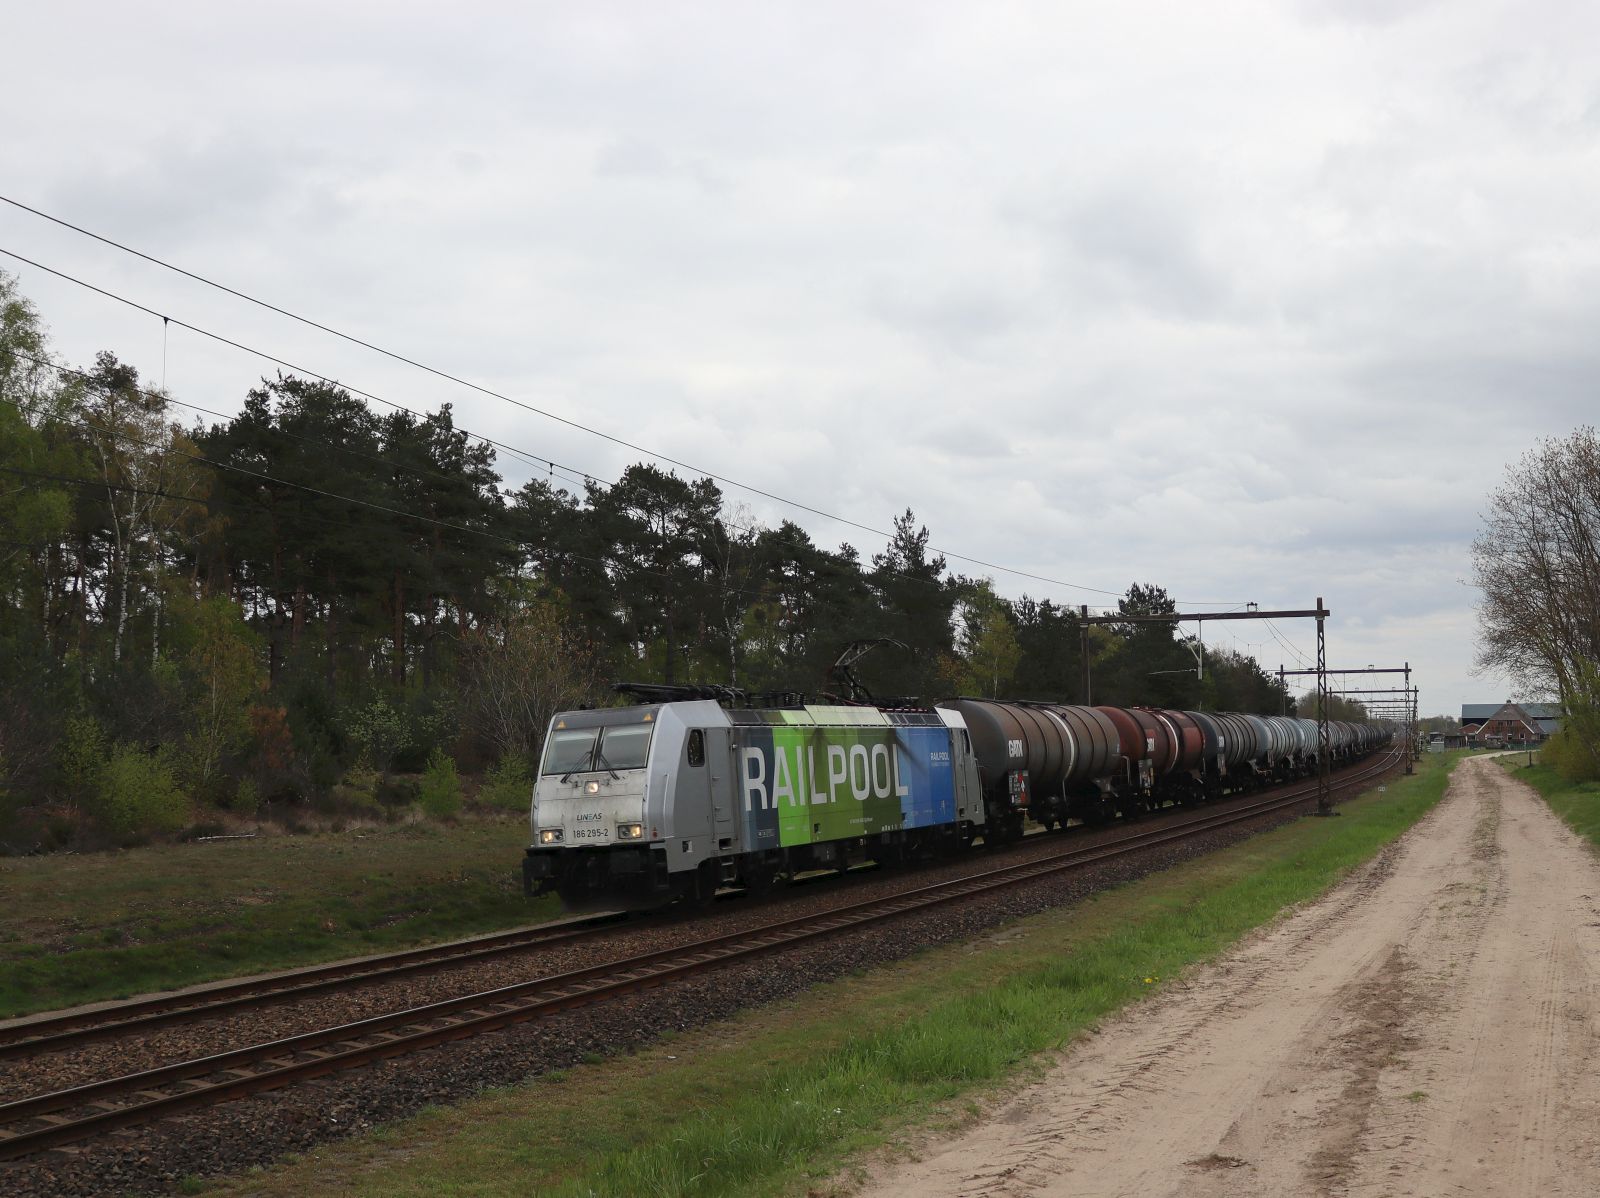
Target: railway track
[
  {"x": 55, "y": 1032},
  {"x": 49, "y": 1120}
]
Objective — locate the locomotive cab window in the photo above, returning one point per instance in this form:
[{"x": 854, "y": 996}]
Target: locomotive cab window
[
  {"x": 582, "y": 750},
  {"x": 625, "y": 747},
  {"x": 568, "y": 750},
  {"x": 697, "y": 747}
]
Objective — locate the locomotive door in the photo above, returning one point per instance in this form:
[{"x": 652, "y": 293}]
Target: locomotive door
[
  {"x": 719, "y": 757},
  {"x": 967, "y": 806}
]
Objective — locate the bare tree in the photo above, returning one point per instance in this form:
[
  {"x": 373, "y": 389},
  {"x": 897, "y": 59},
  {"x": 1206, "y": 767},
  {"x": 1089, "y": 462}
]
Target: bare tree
[
  {"x": 1537, "y": 563},
  {"x": 522, "y": 668}
]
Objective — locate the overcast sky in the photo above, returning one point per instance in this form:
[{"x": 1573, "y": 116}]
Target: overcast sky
[{"x": 1253, "y": 301}]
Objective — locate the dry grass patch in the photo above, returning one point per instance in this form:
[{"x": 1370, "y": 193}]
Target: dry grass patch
[{"x": 77, "y": 929}]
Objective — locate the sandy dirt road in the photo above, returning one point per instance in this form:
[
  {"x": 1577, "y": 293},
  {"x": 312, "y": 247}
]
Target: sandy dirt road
[{"x": 1431, "y": 1027}]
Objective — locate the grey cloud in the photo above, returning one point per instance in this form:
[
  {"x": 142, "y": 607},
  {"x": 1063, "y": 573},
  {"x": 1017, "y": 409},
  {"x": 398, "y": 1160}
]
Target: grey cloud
[
  {"x": 186, "y": 189},
  {"x": 632, "y": 157},
  {"x": 961, "y": 316},
  {"x": 1377, "y": 13},
  {"x": 965, "y": 438},
  {"x": 628, "y": 157},
  {"x": 1127, "y": 248}
]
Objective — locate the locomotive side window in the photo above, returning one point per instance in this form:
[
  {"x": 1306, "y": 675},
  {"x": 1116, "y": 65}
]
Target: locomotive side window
[{"x": 697, "y": 747}]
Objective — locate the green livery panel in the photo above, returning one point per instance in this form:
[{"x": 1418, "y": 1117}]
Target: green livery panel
[{"x": 800, "y": 785}]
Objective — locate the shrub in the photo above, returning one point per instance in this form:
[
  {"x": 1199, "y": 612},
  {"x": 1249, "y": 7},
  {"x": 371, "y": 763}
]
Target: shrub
[
  {"x": 80, "y": 760},
  {"x": 246, "y": 798},
  {"x": 274, "y": 742},
  {"x": 397, "y": 791},
  {"x": 508, "y": 786},
  {"x": 441, "y": 788},
  {"x": 361, "y": 777},
  {"x": 347, "y": 802},
  {"x": 380, "y": 730},
  {"x": 1573, "y": 758},
  {"x": 431, "y": 724},
  {"x": 137, "y": 797},
  {"x": 216, "y": 676},
  {"x": 10, "y": 808}
]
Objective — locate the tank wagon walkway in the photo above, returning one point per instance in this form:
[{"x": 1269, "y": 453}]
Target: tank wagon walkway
[{"x": 1429, "y": 1028}]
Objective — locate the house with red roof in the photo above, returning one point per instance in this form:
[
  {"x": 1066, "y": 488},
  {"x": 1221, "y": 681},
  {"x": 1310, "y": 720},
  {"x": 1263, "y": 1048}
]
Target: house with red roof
[{"x": 1509, "y": 723}]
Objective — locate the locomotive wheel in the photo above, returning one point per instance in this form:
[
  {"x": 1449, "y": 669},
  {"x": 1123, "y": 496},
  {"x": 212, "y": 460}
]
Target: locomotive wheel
[
  {"x": 759, "y": 880},
  {"x": 702, "y": 889},
  {"x": 891, "y": 855}
]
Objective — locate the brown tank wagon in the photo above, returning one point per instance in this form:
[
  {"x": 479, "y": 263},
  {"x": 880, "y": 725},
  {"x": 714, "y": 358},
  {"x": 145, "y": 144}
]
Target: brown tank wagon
[{"x": 1066, "y": 762}]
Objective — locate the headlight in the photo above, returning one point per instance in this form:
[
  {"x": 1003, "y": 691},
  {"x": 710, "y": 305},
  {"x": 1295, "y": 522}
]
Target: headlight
[
  {"x": 591, "y": 787},
  {"x": 549, "y": 835},
  {"x": 630, "y": 831}
]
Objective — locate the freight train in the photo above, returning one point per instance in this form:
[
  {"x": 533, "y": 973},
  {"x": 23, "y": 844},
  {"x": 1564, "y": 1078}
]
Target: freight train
[{"x": 639, "y": 806}]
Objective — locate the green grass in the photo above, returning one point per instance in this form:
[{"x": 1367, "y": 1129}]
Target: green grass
[
  {"x": 777, "y": 1100},
  {"x": 83, "y": 928},
  {"x": 1578, "y": 803}
]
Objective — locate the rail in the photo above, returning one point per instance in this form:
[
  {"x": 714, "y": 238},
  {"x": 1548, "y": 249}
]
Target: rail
[{"x": 44, "y": 1121}]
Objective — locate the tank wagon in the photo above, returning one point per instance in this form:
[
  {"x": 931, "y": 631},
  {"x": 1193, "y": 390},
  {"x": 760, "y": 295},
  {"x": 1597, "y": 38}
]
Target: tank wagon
[{"x": 638, "y": 806}]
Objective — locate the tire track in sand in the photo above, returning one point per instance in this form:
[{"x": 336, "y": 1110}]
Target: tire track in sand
[{"x": 1428, "y": 1028}]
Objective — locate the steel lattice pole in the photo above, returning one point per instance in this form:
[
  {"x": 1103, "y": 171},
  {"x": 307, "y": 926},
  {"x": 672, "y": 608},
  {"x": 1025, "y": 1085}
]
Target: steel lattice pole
[{"x": 1324, "y": 788}]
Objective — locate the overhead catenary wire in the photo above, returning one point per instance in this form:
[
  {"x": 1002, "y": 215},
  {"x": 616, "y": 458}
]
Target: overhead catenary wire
[
  {"x": 265, "y": 477},
  {"x": 604, "y": 563},
  {"x": 260, "y": 353},
  {"x": 491, "y": 393},
  {"x": 297, "y": 516},
  {"x": 287, "y": 571},
  {"x": 277, "y": 432},
  {"x": 211, "y": 502},
  {"x": 286, "y": 364},
  {"x": 392, "y": 463},
  {"x": 223, "y": 340},
  {"x": 1303, "y": 660}
]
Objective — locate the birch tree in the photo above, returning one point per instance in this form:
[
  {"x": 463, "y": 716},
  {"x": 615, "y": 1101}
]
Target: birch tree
[{"x": 127, "y": 434}]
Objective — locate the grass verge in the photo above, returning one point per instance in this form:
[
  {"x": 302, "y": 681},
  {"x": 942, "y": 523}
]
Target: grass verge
[
  {"x": 77, "y": 929},
  {"x": 1578, "y": 803},
  {"x": 777, "y": 1098}
]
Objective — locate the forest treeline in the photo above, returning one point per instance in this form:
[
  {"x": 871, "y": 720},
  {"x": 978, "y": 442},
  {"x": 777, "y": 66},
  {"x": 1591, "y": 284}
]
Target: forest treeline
[{"x": 313, "y": 606}]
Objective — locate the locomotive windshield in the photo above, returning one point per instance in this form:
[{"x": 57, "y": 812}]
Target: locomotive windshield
[
  {"x": 570, "y": 749},
  {"x": 577, "y": 750},
  {"x": 625, "y": 748}
]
